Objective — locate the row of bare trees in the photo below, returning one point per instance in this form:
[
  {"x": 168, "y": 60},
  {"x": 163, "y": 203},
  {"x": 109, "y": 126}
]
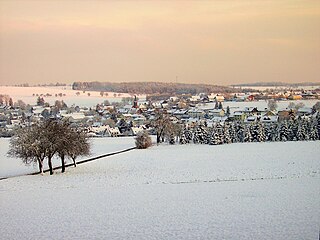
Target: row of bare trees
[{"x": 46, "y": 140}]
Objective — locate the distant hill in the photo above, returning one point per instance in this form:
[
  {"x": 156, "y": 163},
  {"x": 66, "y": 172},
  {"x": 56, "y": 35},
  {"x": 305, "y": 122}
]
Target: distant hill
[
  {"x": 276, "y": 84},
  {"x": 150, "y": 87}
]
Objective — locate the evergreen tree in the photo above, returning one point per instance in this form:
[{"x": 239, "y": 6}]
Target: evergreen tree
[
  {"x": 301, "y": 133},
  {"x": 216, "y": 135},
  {"x": 10, "y": 102},
  {"x": 183, "y": 138},
  {"x": 314, "y": 130},
  {"x": 292, "y": 130},
  {"x": 239, "y": 126},
  {"x": 254, "y": 131},
  {"x": 283, "y": 132},
  {"x": 216, "y": 106},
  {"x": 227, "y": 137},
  {"x": 228, "y": 111},
  {"x": 186, "y": 136},
  {"x": 200, "y": 135},
  {"x": 261, "y": 132},
  {"x": 233, "y": 134},
  {"x": 318, "y": 123},
  {"x": 247, "y": 134}
]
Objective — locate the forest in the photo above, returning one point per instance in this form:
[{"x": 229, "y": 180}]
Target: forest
[{"x": 151, "y": 87}]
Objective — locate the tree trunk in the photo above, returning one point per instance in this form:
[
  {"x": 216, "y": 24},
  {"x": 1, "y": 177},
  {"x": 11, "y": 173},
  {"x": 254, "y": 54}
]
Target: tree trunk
[
  {"x": 50, "y": 166},
  {"x": 63, "y": 166},
  {"x": 158, "y": 138},
  {"x": 74, "y": 162},
  {"x": 40, "y": 166}
]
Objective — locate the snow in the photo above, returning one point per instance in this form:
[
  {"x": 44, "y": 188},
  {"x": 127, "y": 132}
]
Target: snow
[
  {"x": 235, "y": 191},
  {"x": 261, "y": 105},
  {"x": 13, "y": 167},
  {"x": 83, "y": 100}
]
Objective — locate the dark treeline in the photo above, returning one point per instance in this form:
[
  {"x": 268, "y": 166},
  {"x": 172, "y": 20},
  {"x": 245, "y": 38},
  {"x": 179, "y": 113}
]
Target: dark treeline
[
  {"x": 300, "y": 129},
  {"x": 150, "y": 87}
]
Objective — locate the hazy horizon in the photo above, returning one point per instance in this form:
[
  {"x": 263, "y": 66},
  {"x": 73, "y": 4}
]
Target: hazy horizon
[{"x": 211, "y": 42}]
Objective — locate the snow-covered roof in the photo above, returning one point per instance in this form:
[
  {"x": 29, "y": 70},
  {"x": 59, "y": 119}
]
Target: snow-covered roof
[
  {"x": 75, "y": 115},
  {"x": 305, "y": 110},
  {"x": 269, "y": 119}
]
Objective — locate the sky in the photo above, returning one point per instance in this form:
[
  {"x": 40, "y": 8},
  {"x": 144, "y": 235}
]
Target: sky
[{"x": 219, "y": 42}]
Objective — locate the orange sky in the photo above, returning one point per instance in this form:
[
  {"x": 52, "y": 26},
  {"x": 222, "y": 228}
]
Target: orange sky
[{"x": 215, "y": 42}]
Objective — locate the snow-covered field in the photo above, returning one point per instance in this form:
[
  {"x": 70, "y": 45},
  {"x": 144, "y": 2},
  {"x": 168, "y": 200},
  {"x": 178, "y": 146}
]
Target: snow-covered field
[
  {"x": 235, "y": 191},
  {"x": 83, "y": 100},
  {"x": 308, "y": 88},
  {"x": 12, "y": 166},
  {"x": 261, "y": 105}
]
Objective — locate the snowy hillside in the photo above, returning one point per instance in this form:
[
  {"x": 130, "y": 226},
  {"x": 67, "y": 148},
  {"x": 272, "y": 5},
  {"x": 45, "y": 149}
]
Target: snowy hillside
[
  {"x": 100, "y": 146},
  {"x": 69, "y": 96},
  {"x": 235, "y": 191}
]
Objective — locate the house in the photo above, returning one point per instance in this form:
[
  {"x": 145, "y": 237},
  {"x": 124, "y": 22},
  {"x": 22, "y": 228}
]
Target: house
[
  {"x": 136, "y": 130},
  {"x": 3, "y": 123},
  {"x": 219, "y": 119},
  {"x": 251, "y": 119},
  {"x": 180, "y": 114},
  {"x": 239, "y": 116},
  {"x": 295, "y": 97},
  {"x": 305, "y": 111},
  {"x": 112, "y": 132},
  {"x": 286, "y": 114},
  {"x": 74, "y": 117},
  {"x": 216, "y": 112},
  {"x": 195, "y": 98},
  {"x": 270, "y": 113},
  {"x": 250, "y": 98},
  {"x": 269, "y": 119},
  {"x": 196, "y": 113}
]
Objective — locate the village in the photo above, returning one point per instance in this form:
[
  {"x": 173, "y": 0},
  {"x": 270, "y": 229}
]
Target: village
[{"x": 131, "y": 115}]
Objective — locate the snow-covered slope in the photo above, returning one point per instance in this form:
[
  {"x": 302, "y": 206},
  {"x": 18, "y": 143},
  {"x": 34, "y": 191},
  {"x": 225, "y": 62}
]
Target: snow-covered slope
[
  {"x": 69, "y": 96},
  {"x": 12, "y": 166},
  {"x": 236, "y": 191}
]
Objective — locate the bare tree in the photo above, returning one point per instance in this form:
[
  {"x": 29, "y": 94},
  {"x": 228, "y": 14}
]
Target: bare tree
[
  {"x": 80, "y": 146},
  {"x": 47, "y": 139},
  {"x": 66, "y": 142},
  {"x": 161, "y": 123},
  {"x": 299, "y": 105},
  {"x": 28, "y": 144},
  {"x": 272, "y": 105}
]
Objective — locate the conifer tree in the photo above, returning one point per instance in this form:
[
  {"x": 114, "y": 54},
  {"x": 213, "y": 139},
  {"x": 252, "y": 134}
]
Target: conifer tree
[
  {"x": 240, "y": 131},
  {"x": 247, "y": 134},
  {"x": 261, "y": 132},
  {"x": 233, "y": 134},
  {"x": 183, "y": 138},
  {"x": 216, "y": 135},
  {"x": 227, "y": 138},
  {"x": 283, "y": 132}
]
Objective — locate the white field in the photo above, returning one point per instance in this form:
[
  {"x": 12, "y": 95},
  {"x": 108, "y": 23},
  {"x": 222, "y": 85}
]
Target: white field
[
  {"x": 236, "y": 191},
  {"x": 261, "y": 105},
  {"x": 83, "y": 100},
  {"x": 12, "y": 166},
  {"x": 308, "y": 88}
]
